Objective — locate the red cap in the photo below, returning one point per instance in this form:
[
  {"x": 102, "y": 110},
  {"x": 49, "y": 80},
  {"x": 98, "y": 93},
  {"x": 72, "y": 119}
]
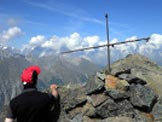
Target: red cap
[{"x": 27, "y": 73}]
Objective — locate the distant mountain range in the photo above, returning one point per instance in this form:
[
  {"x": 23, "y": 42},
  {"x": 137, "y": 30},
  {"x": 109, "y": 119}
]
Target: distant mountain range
[{"x": 55, "y": 69}]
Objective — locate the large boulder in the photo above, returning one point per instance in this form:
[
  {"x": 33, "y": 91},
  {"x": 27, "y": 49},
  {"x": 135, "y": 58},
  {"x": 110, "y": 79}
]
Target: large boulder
[
  {"x": 111, "y": 108},
  {"x": 143, "y": 117},
  {"x": 89, "y": 110},
  {"x": 97, "y": 99},
  {"x": 113, "y": 82},
  {"x": 116, "y": 88},
  {"x": 72, "y": 97},
  {"x": 132, "y": 79},
  {"x": 117, "y": 94},
  {"x": 94, "y": 85},
  {"x": 142, "y": 97}
]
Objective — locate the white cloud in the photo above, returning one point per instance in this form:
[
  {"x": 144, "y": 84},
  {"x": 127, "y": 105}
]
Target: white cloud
[
  {"x": 131, "y": 38},
  {"x": 54, "y": 43},
  {"x": 10, "y": 34},
  {"x": 37, "y": 40},
  {"x": 71, "y": 42},
  {"x": 114, "y": 40},
  {"x": 156, "y": 40},
  {"x": 153, "y": 46},
  {"x": 92, "y": 40},
  {"x": 74, "y": 41},
  {"x": 152, "y": 49}
]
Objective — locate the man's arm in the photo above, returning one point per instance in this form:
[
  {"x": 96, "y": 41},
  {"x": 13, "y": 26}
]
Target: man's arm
[
  {"x": 54, "y": 91},
  {"x": 9, "y": 120}
]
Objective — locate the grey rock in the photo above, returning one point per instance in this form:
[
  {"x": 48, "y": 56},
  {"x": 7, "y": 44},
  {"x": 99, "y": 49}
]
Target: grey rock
[
  {"x": 143, "y": 117},
  {"x": 137, "y": 80},
  {"x": 132, "y": 79},
  {"x": 94, "y": 86},
  {"x": 77, "y": 118},
  {"x": 97, "y": 99},
  {"x": 157, "y": 111},
  {"x": 72, "y": 98},
  {"x": 126, "y": 77},
  {"x": 89, "y": 110},
  {"x": 118, "y": 71},
  {"x": 118, "y": 119},
  {"x": 125, "y": 108},
  {"x": 73, "y": 103},
  {"x": 74, "y": 112},
  {"x": 117, "y": 94},
  {"x": 101, "y": 76},
  {"x": 107, "y": 109},
  {"x": 111, "y": 108},
  {"x": 142, "y": 97},
  {"x": 114, "y": 71}
]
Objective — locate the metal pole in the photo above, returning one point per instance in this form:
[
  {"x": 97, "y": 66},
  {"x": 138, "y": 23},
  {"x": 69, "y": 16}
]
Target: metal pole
[{"x": 108, "y": 47}]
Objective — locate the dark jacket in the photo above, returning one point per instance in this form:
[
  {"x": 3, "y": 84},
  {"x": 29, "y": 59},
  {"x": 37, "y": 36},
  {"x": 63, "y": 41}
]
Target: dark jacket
[{"x": 30, "y": 106}]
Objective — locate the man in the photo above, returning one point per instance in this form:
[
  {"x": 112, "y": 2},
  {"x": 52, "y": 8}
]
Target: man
[{"x": 31, "y": 105}]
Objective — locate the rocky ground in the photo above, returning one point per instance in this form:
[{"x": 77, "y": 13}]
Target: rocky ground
[
  {"x": 110, "y": 98},
  {"x": 130, "y": 93}
]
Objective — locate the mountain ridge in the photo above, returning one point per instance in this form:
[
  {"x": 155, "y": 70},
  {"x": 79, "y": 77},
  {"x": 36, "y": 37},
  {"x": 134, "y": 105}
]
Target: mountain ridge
[{"x": 137, "y": 72}]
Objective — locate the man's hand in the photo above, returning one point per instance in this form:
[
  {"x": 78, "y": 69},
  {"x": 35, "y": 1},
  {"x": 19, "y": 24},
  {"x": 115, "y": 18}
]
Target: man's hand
[
  {"x": 54, "y": 91},
  {"x": 9, "y": 120},
  {"x": 53, "y": 86}
]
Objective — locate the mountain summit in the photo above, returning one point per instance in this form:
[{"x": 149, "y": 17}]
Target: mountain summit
[
  {"x": 127, "y": 94},
  {"x": 142, "y": 67},
  {"x": 130, "y": 93}
]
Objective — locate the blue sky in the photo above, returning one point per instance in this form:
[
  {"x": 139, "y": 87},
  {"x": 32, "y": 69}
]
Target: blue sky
[
  {"x": 63, "y": 17},
  {"x": 69, "y": 24}
]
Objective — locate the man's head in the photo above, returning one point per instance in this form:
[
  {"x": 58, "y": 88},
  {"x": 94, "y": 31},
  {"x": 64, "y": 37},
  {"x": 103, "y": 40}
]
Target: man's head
[{"x": 29, "y": 76}]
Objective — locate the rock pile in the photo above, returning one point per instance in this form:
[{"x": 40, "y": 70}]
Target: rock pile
[{"x": 119, "y": 97}]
